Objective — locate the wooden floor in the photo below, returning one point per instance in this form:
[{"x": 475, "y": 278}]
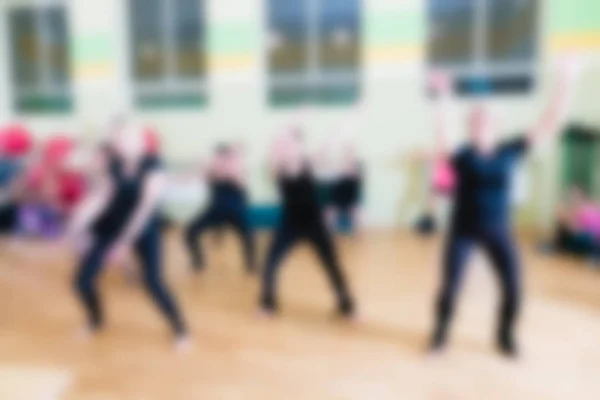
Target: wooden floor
[{"x": 305, "y": 353}]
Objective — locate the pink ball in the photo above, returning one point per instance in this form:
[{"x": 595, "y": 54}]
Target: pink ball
[
  {"x": 444, "y": 178},
  {"x": 57, "y": 149},
  {"x": 15, "y": 140}
]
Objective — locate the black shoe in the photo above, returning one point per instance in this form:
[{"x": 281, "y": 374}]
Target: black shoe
[
  {"x": 426, "y": 225},
  {"x": 508, "y": 347},
  {"x": 439, "y": 338},
  {"x": 346, "y": 308},
  {"x": 268, "y": 305},
  {"x": 437, "y": 344}
]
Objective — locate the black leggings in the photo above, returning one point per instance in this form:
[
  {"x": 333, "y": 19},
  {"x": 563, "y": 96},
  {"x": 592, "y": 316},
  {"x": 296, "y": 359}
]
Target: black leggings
[
  {"x": 148, "y": 248},
  {"x": 285, "y": 237},
  {"x": 498, "y": 244},
  {"x": 217, "y": 217}
]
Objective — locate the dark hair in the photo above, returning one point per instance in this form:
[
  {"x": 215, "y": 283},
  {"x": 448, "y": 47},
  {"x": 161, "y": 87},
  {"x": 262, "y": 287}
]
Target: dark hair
[{"x": 223, "y": 149}]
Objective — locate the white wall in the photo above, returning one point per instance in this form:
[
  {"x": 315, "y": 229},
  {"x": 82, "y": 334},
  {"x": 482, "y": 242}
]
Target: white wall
[{"x": 394, "y": 114}]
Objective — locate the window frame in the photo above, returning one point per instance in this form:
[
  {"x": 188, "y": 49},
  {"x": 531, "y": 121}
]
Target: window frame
[
  {"x": 313, "y": 78},
  {"x": 46, "y": 96},
  {"x": 481, "y": 67},
  {"x": 171, "y": 90}
]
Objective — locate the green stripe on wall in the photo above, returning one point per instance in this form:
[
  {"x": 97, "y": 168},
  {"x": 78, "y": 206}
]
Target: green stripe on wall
[
  {"x": 403, "y": 27},
  {"x": 94, "y": 48},
  {"x": 394, "y": 28},
  {"x": 573, "y": 16},
  {"x": 234, "y": 38}
]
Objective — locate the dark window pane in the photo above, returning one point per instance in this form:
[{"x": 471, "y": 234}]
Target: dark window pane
[
  {"x": 339, "y": 34},
  {"x": 56, "y": 37},
  {"x": 512, "y": 30},
  {"x": 450, "y": 31},
  {"x": 288, "y": 28},
  {"x": 25, "y": 48},
  {"x": 148, "y": 50},
  {"x": 189, "y": 38}
]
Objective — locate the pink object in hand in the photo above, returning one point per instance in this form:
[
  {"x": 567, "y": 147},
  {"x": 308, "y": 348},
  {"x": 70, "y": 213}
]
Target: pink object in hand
[
  {"x": 444, "y": 178},
  {"x": 588, "y": 218}
]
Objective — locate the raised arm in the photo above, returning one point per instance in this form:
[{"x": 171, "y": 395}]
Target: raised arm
[
  {"x": 441, "y": 84},
  {"x": 275, "y": 155},
  {"x": 556, "y": 110}
]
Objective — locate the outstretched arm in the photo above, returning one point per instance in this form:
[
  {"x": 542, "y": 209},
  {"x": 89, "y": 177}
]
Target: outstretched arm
[
  {"x": 441, "y": 84},
  {"x": 556, "y": 110},
  {"x": 277, "y": 154}
]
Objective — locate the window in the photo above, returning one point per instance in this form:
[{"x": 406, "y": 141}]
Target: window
[
  {"x": 168, "y": 52},
  {"x": 40, "y": 58},
  {"x": 491, "y": 45},
  {"x": 314, "y": 51},
  {"x": 581, "y": 159}
]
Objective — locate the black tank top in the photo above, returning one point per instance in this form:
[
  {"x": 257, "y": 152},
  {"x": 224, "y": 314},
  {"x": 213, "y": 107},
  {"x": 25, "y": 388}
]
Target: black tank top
[
  {"x": 226, "y": 192},
  {"x": 126, "y": 196},
  {"x": 300, "y": 199},
  {"x": 347, "y": 190}
]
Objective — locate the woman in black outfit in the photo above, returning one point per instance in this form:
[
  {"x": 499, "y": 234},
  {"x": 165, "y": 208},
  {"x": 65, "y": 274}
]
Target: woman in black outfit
[
  {"x": 481, "y": 216},
  {"x": 120, "y": 214},
  {"x": 302, "y": 220},
  {"x": 228, "y": 205},
  {"x": 346, "y": 192}
]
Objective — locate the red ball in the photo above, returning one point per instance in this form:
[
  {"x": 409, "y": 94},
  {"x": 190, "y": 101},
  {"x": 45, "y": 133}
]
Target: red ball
[
  {"x": 72, "y": 187},
  {"x": 15, "y": 140},
  {"x": 152, "y": 141}
]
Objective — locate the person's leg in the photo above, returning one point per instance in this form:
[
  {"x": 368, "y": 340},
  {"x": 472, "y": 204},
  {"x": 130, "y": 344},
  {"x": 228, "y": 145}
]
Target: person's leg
[
  {"x": 206, "y": 220},
  {"x": 284, "y": 238},
  {"x": 503, "y": 254},
  {"x": 148, "y": 248},
  {"x": 239, "y": 221},
  {"x": 85, "y": 282},
  {"x": 454, "y": 262},
  {"x": 324, "y": 247}
]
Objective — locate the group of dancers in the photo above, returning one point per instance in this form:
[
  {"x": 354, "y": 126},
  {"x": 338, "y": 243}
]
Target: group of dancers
[{"x": 119, "y": 214}]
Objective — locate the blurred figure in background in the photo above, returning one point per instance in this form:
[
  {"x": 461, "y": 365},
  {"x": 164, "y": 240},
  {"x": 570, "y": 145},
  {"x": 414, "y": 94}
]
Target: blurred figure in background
[
  {"x": 346, "y": 192},
  {"x": 49, "y": 190},
  {"x": 15, "y": 144},
  {"x": 228, "y": 204},
  {"x": 303, "y": 219},
  {"x": 484, "y": 169},
  {"x": 578, "y": 230},
  {"x": 121, "y": 215}
]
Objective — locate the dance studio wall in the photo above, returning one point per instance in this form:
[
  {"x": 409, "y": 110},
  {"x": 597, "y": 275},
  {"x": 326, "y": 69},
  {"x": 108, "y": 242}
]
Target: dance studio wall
[{"x": 393, "y": 116}]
